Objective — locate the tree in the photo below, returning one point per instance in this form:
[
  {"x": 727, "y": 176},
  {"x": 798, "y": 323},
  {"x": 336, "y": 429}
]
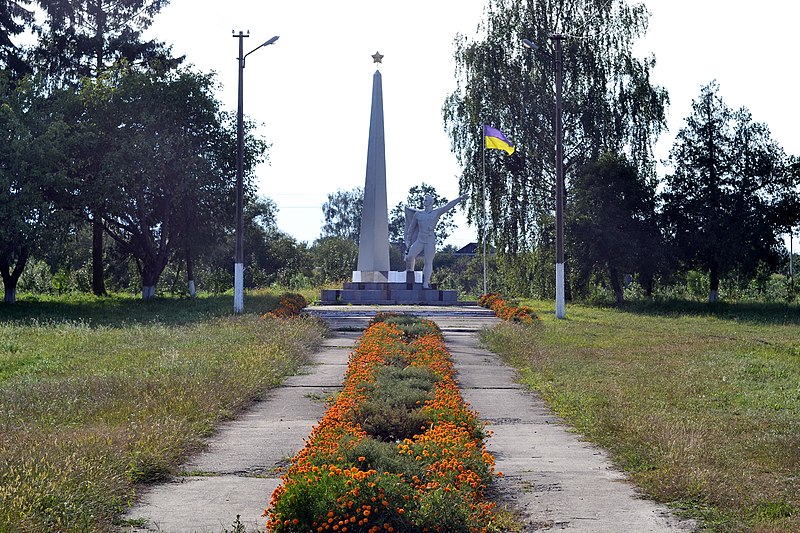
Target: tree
[
  {"x": 270, "y": 255},
  {"x": 284, "y": 260},
  {"x": 612, "y": 226},
  {"x": 342, "y": 214},
  {"x": 164, "y": 135},
  {"x": 786, "y": 212},
  {"x": 416, "y": 200},
  {"x": 335, "y": 258},
  {"x": 14, "y": 18},
  {"x": 718, "y": 203},
  {"x": 206, "y": 215},
  {"x": 267, "y": 249},
  {"x": 82, "y": 38},
  {"x": 31, "y": 163},
  {"x": 609, "y": 104}
]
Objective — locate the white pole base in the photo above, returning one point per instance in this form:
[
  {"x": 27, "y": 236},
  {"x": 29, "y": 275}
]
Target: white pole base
[
  {"x": 238, "y": 288},
  {"x": 561, "y": 311}
]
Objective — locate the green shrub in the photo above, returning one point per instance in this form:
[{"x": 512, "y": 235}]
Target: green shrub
[
  {"x": 412, "y": 327},
  {"x": 392, "y": 410},
  {"x": 389, "y": 423}
]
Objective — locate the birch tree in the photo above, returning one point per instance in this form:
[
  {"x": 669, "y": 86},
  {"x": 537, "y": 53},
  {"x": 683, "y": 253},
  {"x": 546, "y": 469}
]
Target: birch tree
[{"x": 609, "y": 104}]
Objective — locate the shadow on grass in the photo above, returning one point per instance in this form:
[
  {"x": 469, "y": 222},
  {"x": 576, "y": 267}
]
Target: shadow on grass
[
  {"x": 761, "y": 313},
  {"x": 126, "y": 309}
]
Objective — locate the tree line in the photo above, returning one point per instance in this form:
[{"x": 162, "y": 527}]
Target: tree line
[
  {"x": 722, "y": 208},
  {"x": 719, "y": 213},
  {"x": 116, "y": 160}
]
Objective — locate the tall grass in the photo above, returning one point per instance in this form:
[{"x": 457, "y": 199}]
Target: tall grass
[
  {"x": 701, "y": 405},
  {"x": 100, "y": 395}
]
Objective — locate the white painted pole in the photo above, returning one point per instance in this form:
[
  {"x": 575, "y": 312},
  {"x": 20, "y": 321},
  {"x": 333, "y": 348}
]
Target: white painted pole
[{"x": 560, "y": 304}]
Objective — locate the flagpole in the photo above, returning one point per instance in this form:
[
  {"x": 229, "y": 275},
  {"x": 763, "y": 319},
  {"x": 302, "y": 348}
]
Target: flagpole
[
  {"x": 500, "y": 142},
  {"x": 483, "y": 203}
]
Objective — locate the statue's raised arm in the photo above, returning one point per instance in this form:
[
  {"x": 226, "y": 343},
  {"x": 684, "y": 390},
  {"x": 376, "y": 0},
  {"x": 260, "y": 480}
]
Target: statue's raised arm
[
  {"x": 449, "y": 205},
  {"x": 420, "y": 234}
]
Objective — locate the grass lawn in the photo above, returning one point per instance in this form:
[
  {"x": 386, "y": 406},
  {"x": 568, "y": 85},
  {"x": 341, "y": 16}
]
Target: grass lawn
[
  {"x": 701, "y": 405},
  {"x": 99, "y": 395}
]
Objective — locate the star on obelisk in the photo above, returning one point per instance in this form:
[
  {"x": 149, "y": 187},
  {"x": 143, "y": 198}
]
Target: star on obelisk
[{"x": 377, "y": 57}]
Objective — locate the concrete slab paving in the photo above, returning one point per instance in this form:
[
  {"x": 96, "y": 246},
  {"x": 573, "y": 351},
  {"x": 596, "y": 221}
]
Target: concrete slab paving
[
  {"x": 206, "y": 504},
  {"x": 241, "y": 466},
  {"x": 552, "y": 479}
]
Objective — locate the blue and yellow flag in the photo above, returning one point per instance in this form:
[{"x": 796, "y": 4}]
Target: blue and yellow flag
[{"x": 493, "y": 138}]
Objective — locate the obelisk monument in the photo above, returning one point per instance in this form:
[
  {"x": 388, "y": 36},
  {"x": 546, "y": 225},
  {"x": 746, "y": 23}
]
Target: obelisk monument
[
  {"x": 373, "y": 283},
  {"x": 373, "y": 246}
]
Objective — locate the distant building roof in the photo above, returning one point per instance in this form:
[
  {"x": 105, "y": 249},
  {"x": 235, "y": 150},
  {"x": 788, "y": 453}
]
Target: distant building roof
[{"x": 472, "y": 249}]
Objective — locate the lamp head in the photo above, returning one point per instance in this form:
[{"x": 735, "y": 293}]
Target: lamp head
[
  {"x": 272, "y": 40},
  {"x": 530, "y": 44}
]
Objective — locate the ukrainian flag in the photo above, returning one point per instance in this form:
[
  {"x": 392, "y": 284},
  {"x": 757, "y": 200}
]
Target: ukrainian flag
[{"x": 493, "y": 138}]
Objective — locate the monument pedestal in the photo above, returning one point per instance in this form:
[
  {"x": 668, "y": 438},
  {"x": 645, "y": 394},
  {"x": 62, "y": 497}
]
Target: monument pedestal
[{"x": 388, "y": 288}]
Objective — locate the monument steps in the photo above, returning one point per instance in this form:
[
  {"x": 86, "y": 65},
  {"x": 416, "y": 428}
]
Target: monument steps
[{"x": 388, "y": 293}]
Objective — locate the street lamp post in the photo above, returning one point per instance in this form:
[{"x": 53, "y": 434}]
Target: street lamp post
[
  {"x": 557, "y": 64},
  {"x": 238, "y": 267}
]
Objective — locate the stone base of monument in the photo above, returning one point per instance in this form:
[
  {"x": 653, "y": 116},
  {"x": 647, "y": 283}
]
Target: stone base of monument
[{"x": 388, "y": 288}]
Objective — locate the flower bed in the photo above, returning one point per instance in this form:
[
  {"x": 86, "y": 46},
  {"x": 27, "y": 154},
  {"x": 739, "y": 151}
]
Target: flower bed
[
  {"x": 506, "y": 310},
  {"x": 398, "y": 450},
  {"x": 289, "y": 306}
]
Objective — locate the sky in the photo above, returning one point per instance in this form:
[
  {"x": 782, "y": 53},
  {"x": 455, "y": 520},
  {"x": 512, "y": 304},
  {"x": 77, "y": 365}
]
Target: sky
[{"x": 310, "y": 92}]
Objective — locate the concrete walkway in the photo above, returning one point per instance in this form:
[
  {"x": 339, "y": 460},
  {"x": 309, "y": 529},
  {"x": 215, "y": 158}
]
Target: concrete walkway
[
  {"x": 241, "y": 468},
  {"x": 552, "y": 479}
]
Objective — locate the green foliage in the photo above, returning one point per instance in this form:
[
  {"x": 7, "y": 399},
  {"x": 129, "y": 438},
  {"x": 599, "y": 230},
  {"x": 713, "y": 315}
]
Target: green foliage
[
  {"x": 609, "y": 103},
  {"x": 32, "y": 159},
  {"x": 464, "y": 273},
  {"x": 271, "y": 255},
  {"x": 611, "y": 226},
  {"x": 392, "y": 409},
  {"x": 342, "y": 214},
  {"x": 382, "y": 456},
  {"x": 411, "y": 326},
  {"x": 388, "y": 422},
  {"x": 15, "y": 17},
  {"x": 720, "y": 201},
  {"x": 77, "y": 41},
  {"x": 166, "y": 140},
  {"x": 283, "y": 258},
  {"x": 335, "y": 259},
  {"x": 237, "y": 526},
  {"x": 80, "y": 38}
]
